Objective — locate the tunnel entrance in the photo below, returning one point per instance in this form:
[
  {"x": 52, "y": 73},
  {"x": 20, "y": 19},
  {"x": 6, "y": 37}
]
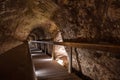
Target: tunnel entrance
[
  {"x": 59, "y": 51},
  {"x": 40, "y": 34}
]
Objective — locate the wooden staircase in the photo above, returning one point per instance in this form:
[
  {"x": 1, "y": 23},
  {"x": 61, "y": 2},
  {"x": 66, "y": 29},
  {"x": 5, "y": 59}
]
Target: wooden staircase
[{"x": 47, "y": 69}]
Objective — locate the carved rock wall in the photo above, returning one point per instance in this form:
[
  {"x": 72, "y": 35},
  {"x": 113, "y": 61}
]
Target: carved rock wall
[
  {"x": 89, "y": 20},
  {"x": 93, "y": 21}
]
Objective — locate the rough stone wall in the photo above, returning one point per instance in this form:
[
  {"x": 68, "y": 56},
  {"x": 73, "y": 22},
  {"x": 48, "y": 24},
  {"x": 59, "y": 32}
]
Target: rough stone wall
[
  {"x": 93, "y": 21},
  {"x": 90, "y": 20},
  {"x": 98, "y": 65},
  {"x": 8, "y": 44},
  {"x": 19, "y": 17}
]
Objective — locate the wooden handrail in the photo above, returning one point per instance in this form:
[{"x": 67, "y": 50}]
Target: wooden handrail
[
  {"x": 103, "y": 47},
  {"x": 45, "y": 42},
  {"x": 30, "y": 58}
]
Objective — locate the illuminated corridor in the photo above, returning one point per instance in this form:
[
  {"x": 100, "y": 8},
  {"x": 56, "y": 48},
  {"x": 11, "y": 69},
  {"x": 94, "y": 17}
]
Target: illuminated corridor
[
  {"x": 47, "y": 69},
  {"x": 60, "y": 39}
]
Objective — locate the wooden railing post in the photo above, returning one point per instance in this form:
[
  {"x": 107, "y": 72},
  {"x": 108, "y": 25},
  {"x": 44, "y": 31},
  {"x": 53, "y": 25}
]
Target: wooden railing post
[
  {"x": 29, "y": 46},
  {"x": 45, "y": 49},
  {"x": 42, "y": 46},
  {"x": 35, "y": 45},
  {"x": 70, "y": 61},
  {"x": 48, "y": 48},
  {"x": 53, "y": 53}
]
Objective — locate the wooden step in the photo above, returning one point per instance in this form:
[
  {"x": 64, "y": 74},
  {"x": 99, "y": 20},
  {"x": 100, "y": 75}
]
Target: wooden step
[{"x": 46, "y": 69}]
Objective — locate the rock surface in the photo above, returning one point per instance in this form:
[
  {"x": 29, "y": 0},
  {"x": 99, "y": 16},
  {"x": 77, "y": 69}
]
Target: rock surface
[
  {"x": 93, "y": 21},
  {"x": 19, "y": 18}
]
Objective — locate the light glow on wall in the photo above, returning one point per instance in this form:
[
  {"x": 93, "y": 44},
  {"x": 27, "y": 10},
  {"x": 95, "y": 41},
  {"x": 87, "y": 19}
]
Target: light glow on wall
[{"x": 61, "y": 62}]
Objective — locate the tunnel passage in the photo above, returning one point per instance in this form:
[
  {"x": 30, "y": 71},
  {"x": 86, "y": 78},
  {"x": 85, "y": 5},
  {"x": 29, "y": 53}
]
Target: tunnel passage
[
  {"x": 87, "y": 21},
  {"x": 39, "y": 34}
]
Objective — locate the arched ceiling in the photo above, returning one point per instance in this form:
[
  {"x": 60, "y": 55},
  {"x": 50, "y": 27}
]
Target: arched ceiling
[
  {"x": 19, "y": 17},
  {"x": 78, "y": 20}
]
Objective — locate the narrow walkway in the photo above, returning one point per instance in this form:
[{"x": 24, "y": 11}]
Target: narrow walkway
[{"x": 46, "y": 69}]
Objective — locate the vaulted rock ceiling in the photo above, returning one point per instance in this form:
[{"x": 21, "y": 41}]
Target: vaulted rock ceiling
[
  {"x": 19, "y": 17},
  {"x": 88, "y": 20}
]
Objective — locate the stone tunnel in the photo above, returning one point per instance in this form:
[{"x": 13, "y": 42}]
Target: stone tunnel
[{"x": 78, "y": 21}]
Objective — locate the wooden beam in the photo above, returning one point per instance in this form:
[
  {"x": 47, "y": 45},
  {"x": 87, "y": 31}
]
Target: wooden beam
[
  {"x": 70, "y": 61},
  {"x": 102, "y": 47}
]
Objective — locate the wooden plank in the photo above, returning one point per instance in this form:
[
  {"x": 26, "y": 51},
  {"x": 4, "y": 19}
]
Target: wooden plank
[
  {"x": 16, "y": 64},
  {"x": 47, "y": 69}
]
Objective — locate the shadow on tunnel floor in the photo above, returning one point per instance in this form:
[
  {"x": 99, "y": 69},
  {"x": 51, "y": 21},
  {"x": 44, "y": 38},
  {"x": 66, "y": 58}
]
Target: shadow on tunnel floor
[{"x": 81, "y": 75}]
